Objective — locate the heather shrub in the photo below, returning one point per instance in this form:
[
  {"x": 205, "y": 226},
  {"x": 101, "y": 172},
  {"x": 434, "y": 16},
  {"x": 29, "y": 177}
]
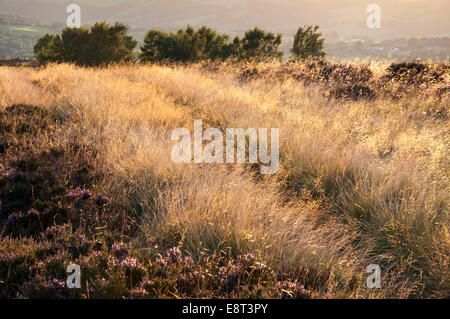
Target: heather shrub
[
  {"x": 309, "y": 72},
  {"x": 415, "y": 73},
  {"x": 401, "y": 80},
  {"x": 324, "y": 71},
  {"x": 217, "y": 275},
  {"x": 354, "y": 91},
  {"x": 35, "y": 178}
]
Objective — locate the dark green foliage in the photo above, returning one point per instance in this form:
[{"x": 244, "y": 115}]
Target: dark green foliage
[
  {"x": 155, "y": 46},
  {"x": 48, "y": 49},
  {"x": 101, "y": 45},
  {"x": 109, "y": 45},
  {"x": 260, "y": 45},
  {"x": 308, "y": 44},
  {"x": 73, "y": 47},
  {"x": 186, "y": 46},
  {"x": 206, "y": 44}
]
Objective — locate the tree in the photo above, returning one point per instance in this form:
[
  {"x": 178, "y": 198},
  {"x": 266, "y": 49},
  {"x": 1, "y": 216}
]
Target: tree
[
  {"x": 101, "y": 45},
  {"x": 186, "y": 45},
  {"x": 152, "y": 50},
  {"x": 48, "y": 49},
  {"x": 73, "y": 45},
  {"x": 212, "y": 45},
  {"x": 308, "y": 44},
  {"x": 109, "y": 44},
  {"x": 260, "y": 45},
  {"x": 206, "y": 44}
]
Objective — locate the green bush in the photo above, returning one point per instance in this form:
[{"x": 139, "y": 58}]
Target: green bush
[
  {"x": 308, "y": 44},
  {"x": 206, "y": 44},
  {"x": 260, "y": 45},
  {"x": 186, "y": 46},
  {"x": 101, "y": 45}
]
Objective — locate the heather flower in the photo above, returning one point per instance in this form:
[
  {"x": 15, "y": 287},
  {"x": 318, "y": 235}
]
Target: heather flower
[
  {"x": 32, "y": 212},
  {"x": 85, "y": 194},
  {"x": 161, "y": 262},
  {"x": 10, "y": 220},
  {"x": 145, "y": 283},
  {"x": 14, "y": 218},
  {"x": 292, "y": 289},
  {"x": 142, "y": 289},
  {"x": 112, "y": 261},
  {"x": 79, "y": 193},
  {"x": 195, "y": 274},
  {"x": 188, "y": 261},
  {"x": 138, "y": 292},
  {"x": 119, "y": 249},
  {"x": 58, "y": 283},
  {"x": 222, "y": 273},
  {"x": 129, "y": 262},
  {"x": 248, "y": 258},
  {"x": 100, "y": 199},
  {"x": 73, "y": 194},
  {"x": 173, "y": 255},
  {"x": 54, "y": 231}
]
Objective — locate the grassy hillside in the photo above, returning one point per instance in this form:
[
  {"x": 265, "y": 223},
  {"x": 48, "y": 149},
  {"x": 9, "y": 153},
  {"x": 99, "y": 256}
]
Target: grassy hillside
[
  {"x": 86, "y": 177},
  {"x": 18, "y": 35},
  {"x": 26, "y": 29}
]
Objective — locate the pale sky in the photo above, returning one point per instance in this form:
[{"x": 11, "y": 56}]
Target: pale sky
[{"x": 399, "y": 18}]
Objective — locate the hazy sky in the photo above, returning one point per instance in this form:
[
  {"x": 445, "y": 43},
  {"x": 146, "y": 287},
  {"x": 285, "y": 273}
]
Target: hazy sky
[{"x": 344, "y": 18}]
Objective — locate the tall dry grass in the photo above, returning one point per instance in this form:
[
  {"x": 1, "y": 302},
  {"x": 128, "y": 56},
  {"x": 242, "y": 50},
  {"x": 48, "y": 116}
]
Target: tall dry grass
[{"x": 360, "y": 182}]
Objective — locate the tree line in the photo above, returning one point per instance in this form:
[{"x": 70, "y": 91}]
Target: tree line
[{"x": 104, "y": 44}]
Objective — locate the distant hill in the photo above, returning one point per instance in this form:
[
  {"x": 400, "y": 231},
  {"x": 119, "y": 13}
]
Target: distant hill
[
  {"x": 18, "y": 35},
  {"x": 347, "y": 18}
]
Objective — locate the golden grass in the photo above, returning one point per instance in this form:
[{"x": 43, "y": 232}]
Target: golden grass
[{"x": 359, "y": 182}]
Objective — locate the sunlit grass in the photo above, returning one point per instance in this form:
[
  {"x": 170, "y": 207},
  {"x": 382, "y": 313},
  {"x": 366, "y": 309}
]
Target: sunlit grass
[{"x": 360, "y": 182}]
